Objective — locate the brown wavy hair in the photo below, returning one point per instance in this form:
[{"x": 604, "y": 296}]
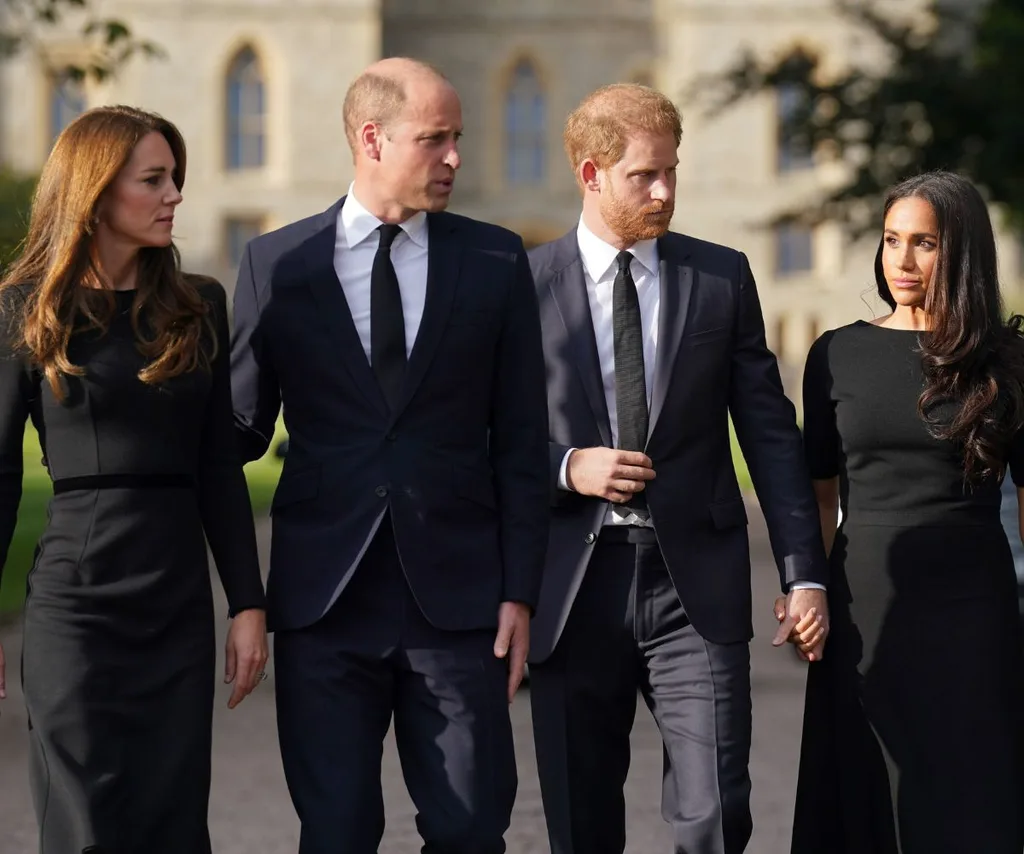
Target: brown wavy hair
[
  {"x": 973, "y": 356},
  {"x": 59, "y": 263}
]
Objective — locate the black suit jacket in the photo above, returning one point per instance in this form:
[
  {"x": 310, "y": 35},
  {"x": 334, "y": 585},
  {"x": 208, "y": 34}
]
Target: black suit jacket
[
  {"x": 712, "y": 362},
  {"x": 456, "y": 462}
]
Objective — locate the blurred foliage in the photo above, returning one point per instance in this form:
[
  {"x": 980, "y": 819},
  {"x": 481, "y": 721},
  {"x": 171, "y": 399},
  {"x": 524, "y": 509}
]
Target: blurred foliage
[
  {"x": 15, "y": 206},
  {"x": 949, "y": 98},
  {"x": 108, "y": 42}
]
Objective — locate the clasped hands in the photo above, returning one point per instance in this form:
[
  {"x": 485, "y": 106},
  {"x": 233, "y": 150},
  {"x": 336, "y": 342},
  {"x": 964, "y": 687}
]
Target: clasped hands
[{"x": 803, "y": 622}]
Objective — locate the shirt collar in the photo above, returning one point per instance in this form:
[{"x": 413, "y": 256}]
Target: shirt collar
[
  {"x": 599, "y": 256},
  {"x": 359, "y": 223}
]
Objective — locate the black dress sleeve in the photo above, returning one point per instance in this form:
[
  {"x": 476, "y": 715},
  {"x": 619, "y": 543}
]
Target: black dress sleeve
[
  {"x": 15, "y": 397},
  {"x": 1016, "y": 460},
  {"x": 224, "y": 496},
  {"x": 821, "y": 436}
]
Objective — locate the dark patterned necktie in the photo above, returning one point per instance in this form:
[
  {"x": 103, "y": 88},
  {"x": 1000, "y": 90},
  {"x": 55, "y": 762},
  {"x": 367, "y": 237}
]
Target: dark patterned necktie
[
  {"x": 387, "y": 323},
  {"x": 630, "y": 380}
]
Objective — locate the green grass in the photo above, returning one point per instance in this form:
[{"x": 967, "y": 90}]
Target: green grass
[{"x": 261, "y": 475}]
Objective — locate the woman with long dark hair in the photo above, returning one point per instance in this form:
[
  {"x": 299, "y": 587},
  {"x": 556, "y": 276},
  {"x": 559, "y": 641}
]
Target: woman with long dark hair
[
  {"x": 120, "y": 361},
  {"x": 913, "y": 719}
]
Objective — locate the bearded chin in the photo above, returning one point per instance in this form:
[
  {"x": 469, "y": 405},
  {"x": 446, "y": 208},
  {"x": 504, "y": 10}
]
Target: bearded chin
[{"x": 632, "y": 225}]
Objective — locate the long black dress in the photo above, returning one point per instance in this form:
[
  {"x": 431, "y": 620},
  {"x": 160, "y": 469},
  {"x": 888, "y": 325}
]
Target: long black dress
[
  {"x": 913, "y": 720},
  {"x": 118, "y": 662}
]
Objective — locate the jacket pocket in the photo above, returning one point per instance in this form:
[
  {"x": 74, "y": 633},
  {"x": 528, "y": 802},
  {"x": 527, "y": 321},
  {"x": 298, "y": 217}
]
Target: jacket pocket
[
  {"x": 295, "y": 486},
  {"x": 728, "y": 514}
]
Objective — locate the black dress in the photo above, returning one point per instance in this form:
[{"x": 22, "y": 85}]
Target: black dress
[
  {"x": 118, "y": 662},
  {"x": 912, "y": 725}
]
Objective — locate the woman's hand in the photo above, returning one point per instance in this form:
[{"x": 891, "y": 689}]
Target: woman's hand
[{"x": 246, "y": 653}]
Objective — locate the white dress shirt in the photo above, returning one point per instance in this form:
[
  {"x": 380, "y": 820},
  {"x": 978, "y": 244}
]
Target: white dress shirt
[{"x": 354, "y": 250}]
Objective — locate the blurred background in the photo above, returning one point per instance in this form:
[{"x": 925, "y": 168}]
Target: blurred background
[{"x": 797, "y": 113}]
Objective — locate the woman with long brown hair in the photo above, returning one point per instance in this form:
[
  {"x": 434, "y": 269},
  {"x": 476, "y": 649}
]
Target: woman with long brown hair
[
  {"x": 913, "y": 720},
  {"x": 120, "y": 361}
]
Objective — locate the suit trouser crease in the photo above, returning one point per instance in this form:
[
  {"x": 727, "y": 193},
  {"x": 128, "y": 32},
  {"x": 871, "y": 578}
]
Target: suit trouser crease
[{"x": 628, "y": 632}]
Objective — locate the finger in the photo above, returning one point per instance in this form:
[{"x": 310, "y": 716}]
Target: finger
[
  {"x": 237, "y": 695},
  {"x": 230, "y": 662},
  {"x": 626, "y": 486},
  {"x": 618, "y": 497},
  {"x": 805, "y": 637},
  {"x": 245, "y": 680},
  {"x": 810, "y": 641},
  {"x": 818, "y": 652},
  {"x": 503, "y": 639},
  {"x": 780, "y": 608},
  {"x": 517, "y": 669},
  {"x": 785, "y": 630},
  {"x": 635, "y": 458},
  {"x": 806, "y": 621},
  {"x": 3, "y": 675},
  {"x": 633, "y": 473}
]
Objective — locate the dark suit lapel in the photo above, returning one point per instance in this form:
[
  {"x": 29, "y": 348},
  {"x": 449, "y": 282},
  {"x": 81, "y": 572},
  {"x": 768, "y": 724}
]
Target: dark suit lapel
[
  {"x": 323, "y": 282},
  {"x": 676, "y": 283},
  {"x": 444, "y": 260},
  {"x": 569, "y": 289}
]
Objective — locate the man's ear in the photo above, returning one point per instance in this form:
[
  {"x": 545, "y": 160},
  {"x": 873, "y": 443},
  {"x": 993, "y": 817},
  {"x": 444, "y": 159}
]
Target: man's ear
[{"x": 371, "y": 138}]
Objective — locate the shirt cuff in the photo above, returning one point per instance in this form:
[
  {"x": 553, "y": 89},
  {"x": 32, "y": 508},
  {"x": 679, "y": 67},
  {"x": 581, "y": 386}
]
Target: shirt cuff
[
  {"x": 563, "y": 483},
  {"x": 806, "y": 585}
]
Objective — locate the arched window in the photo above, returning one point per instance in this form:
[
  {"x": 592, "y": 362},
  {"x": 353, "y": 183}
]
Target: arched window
[
  {"x": 246, "y": 106},
  {"x": 67, "y": 103},
  {"x": 793, "y": 151},
  {"x": 525, "y": 127}
]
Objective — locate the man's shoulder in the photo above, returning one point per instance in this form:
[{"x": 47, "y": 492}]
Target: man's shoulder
[
  {"x": 702, "y": 252},
  {"x": 280, "y": 240},
  {"x": 483, "y": 235},
  {"x": 554, "y": 256}
]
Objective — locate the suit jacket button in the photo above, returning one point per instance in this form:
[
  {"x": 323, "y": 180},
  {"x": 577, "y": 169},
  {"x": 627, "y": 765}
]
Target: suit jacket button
[
  {"x": 382, "y": 491},
  {"x": 590, "y": 538},
  {"x": 392, "y": 436}
]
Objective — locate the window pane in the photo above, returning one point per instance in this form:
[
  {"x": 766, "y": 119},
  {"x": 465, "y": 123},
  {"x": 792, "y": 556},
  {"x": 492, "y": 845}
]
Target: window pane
[
  {"x": 238, "y": 232},
  {"x": 525, "y": 127},
  {"x": 793, "y": 152},
  {"x": 245, "y": 104},
  {"x": 794, "y": 250},
  {"x": 67, "y": 102}
]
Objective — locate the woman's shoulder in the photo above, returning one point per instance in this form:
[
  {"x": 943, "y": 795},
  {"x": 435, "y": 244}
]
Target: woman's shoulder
[
  {"x": 207, "y": 287},
  {"x": 15, "y": 295}
]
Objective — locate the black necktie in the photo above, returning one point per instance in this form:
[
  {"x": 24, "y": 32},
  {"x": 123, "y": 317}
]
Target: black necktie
[
  {"x": 387, "y": 323},
  {"x": 630, "y": 381}
]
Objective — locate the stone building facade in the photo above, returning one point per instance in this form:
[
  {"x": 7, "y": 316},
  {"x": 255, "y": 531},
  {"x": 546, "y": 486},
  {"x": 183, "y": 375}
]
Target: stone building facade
[{"x": 256, "y": 87}]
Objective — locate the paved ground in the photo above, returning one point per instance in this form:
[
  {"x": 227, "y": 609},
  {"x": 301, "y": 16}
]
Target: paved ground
[{"x": 250, "y": 812}]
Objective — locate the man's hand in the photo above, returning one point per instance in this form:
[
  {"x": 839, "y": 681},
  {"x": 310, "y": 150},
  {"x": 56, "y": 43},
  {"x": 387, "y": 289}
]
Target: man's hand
[
  {"x": 803, "y": 621},
  {"x": 607, "y": 473},
  {"x": 513, "y": 642},
  {"x": 246, "y": 653}
]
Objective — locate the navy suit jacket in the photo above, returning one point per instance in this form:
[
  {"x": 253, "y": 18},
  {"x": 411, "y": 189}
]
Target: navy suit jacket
[
  {"x": 456, "y": 462},
  {"x": 712, "y": 362}
]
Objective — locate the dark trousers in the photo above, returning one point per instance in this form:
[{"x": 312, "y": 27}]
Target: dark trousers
[
  {"x": 340, "y": 681},
  {"x": 628, "y": 631}
]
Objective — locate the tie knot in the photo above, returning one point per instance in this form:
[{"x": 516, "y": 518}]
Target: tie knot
[
  {"x": 388, "y": 233},
  {"x": 624, "y": 259}
]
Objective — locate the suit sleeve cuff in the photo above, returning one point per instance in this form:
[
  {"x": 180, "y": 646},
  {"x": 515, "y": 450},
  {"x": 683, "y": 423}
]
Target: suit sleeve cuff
[{"x": 563, "y": 482}]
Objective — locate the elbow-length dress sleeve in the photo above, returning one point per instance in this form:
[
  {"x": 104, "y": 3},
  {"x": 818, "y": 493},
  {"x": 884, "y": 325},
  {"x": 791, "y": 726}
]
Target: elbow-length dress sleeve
[{"x": 821, "y": 435}]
